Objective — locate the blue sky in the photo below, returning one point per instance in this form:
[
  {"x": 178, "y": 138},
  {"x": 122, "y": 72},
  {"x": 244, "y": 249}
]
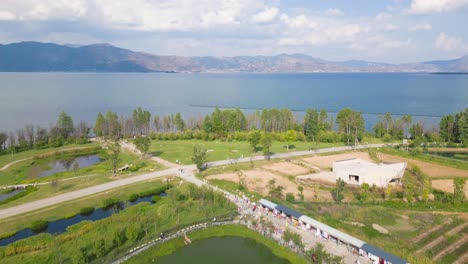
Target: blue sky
[{"x": 396, "y": 31}]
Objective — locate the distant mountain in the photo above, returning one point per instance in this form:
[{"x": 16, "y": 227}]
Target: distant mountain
[{"x": 42, "y": 57}]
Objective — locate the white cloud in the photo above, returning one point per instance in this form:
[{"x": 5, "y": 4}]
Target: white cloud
[
  {"x": 435, "y": 6},
  {"x": 417, "y": 27},
  {"x": 391, "y": 27},
  {"x": 44, "y": 9},
  {"x": 446, "y": 42},
  {"x": 5, "y": 15},
  {"x": 334, "y": 12},
  {"x": 383, "y": 16},
  {"x": 299, "y": 22},
  {"x": 266, "y": 16}
]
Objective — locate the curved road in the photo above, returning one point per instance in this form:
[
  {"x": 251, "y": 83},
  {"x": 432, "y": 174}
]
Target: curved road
[{"x": 20, "y": 209}]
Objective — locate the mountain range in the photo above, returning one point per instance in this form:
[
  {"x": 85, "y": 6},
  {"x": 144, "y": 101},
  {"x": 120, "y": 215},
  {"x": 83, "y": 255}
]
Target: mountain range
[{"x": 44, "y": 57}]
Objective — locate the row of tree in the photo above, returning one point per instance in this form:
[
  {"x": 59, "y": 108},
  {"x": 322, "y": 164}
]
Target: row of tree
[{"x": 30, "y": 137}]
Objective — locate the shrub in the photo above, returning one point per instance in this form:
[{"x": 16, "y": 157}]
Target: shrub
[
  {"x": 87, "y": 210},
  {"x": 156, "y": 198},
  {"x": 133, "y": 197},
  {"x": 109, "y": 201},
  {"x": 290, "y": 197},
  {"x": 39, "y": 225}
]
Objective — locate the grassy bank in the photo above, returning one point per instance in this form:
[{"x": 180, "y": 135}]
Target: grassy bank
[
  {"x": 70, "y": 208},
  {"x": 217, "y": 231},
  {"x": 181, "y": 150},
  {"x": 105, "y": 240}
]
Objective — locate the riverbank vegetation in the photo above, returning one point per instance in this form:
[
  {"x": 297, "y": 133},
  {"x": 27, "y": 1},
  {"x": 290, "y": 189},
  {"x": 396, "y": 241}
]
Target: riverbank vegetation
[
  {"x": 169, "y": 247},
  {"x": 104, "y": 240}
]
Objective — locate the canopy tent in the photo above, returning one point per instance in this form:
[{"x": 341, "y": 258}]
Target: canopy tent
[
  {"x": 267, "y": 204},
  {"x": 288, "y": 211},
  {"x": 383, "y": 254}
]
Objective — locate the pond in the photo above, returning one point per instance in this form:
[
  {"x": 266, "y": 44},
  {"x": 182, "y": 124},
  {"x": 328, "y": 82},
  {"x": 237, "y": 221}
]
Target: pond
[
  {"x": 4, "y": 196},
  {"x": 61, "y": 225},
  {"x": 68, "y": 164},
  {"x": 226, "y": 250},
  {"x": 452, "y": 155}
]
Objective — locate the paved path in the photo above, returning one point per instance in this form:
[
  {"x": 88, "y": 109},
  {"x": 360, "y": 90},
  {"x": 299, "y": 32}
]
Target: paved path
[
  {"x": 19, "y": 209},
  {"x": 14, "y": 162}
]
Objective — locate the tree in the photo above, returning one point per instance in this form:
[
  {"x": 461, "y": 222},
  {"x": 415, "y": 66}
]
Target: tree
[
  {"x": 447, "y": 125},
  {"x": 179, "y": 122},
  {"x": 318, "y": 254},
  {"x": 364, "y": 195},
  {"x": 350, "y": 122},
  {"x": 311, "y": 124},
  {"x": 290, "y": 136},
  {"x": 301, "y": 191},
  {"x": 254, "y": 138},
  {"x": 114, "y": 155},
  {"x": 3, "y": 140},
  {"x": 338, "y": 191},
  {"x": 417, "y": 130},
  {"x": 199, "y": 156},
  {"x": 65, "y": 125},
  {"x": 99, "y": 125},
  {"x": 462, "y": 125},
  {"x": 267, "y": 141},
  {"x": 141, "y": 120},
  {"x": 275, "y": 191},
  {"x": 459, "y": 193},
  {"x": 112, "y": 127},
  {"x": 142, "y": 143},
  {"x": 407, "y": 120}
]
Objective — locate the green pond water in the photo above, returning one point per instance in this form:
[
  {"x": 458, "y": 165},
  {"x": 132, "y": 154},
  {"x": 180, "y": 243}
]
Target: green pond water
[{"x": 225, "y": 250}]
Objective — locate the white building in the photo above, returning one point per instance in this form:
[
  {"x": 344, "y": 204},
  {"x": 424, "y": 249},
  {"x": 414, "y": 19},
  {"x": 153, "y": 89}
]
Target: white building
[{"x": 358, "y": 171}]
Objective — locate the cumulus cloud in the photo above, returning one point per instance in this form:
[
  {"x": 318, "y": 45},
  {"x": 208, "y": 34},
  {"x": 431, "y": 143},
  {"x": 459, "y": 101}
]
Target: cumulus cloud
[
  {"x": 435, "y": 6},
  {"x": 417, "y": 27},
  {"x": 391, "y": 27},
  {"x": 43, "y": 9},
  {"x": 446, "y": 42},
  {"x": 266, "y": 16},
  {"x": 334, "y": 12}
]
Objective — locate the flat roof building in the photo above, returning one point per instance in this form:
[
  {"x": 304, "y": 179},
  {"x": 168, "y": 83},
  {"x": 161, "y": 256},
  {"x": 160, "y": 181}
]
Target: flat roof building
[{"x": 358, "y": 171}]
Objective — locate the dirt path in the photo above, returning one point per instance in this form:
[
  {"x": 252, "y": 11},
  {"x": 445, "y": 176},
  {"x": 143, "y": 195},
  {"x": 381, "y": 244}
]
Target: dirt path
[
  {"x": 441, "y": 238},
  {"x": 14, "y": 162},
  {"x": 462, "y": 260},
  {"x": 163, "y": 162},
  {"x": 427, "y": 232},
  {"x": 451, "y": 248}
]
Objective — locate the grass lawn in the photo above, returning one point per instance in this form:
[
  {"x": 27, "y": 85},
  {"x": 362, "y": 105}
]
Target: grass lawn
[
  {"x": 217, "y": 231},
  {"x": 73, "y": 207},
  {"x": 459, "y": 164},
  {"x": 181, "y": 150},
  {"x": 105, "y": 240}
]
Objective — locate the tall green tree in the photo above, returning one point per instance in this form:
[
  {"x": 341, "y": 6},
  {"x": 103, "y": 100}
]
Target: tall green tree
[
  {"x": 338, "y": 191},
  {"x": 99, "y": 125},
  {"x": 266, "y": 141},
  {"x": 447, "y": 128},
  {"x": 112, "y": 127},
  {"x": 311, "y": 124},
  {"x": 179, "y": 122},
  {"x": 142, "y": 143},
  {"x": 199, "y": 156},
  {"x": 254, "y": 138},
  {"x": 65, "y": 125},
  {"x": 351, "y": 123}
]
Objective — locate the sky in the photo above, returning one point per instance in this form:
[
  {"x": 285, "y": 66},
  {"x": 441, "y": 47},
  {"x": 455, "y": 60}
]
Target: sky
[{"x": 395, "y": 31}]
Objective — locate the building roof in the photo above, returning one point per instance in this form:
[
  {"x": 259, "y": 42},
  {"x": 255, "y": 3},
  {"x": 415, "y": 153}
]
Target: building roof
[
  {"x": 383, "y": 254},
  {"x": 332, "y": 231},
  {"x": 288, "y": 211},
  {"x": 267, "y": 204}
]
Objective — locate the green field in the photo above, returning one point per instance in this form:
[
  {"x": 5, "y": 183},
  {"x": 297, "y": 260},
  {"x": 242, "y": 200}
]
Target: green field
[
  {"x": 181, "y": 150},
  {"x": 105, "y": 240},
  {"x": 217, "y": 231}
]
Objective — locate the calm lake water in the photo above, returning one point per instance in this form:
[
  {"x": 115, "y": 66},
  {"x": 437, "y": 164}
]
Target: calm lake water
[
  {"x": 69, "y": 164},
  {"x": 226, "y": 250},
  {"x": 37, "y": 98}
]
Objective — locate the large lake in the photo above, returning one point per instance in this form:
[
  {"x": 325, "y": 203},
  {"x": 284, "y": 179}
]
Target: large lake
[{"x": 37, "y": 98}]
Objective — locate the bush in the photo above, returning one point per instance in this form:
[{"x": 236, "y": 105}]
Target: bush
[
  {"x": 87, "y": 210},
  {"x": 39, "y": 225},
  {"x": 133, "y": 197},
  {"x": 290, "y": 197},
  {"x": 109, "y": 201},
  {"x": 156, "y": 198}
]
